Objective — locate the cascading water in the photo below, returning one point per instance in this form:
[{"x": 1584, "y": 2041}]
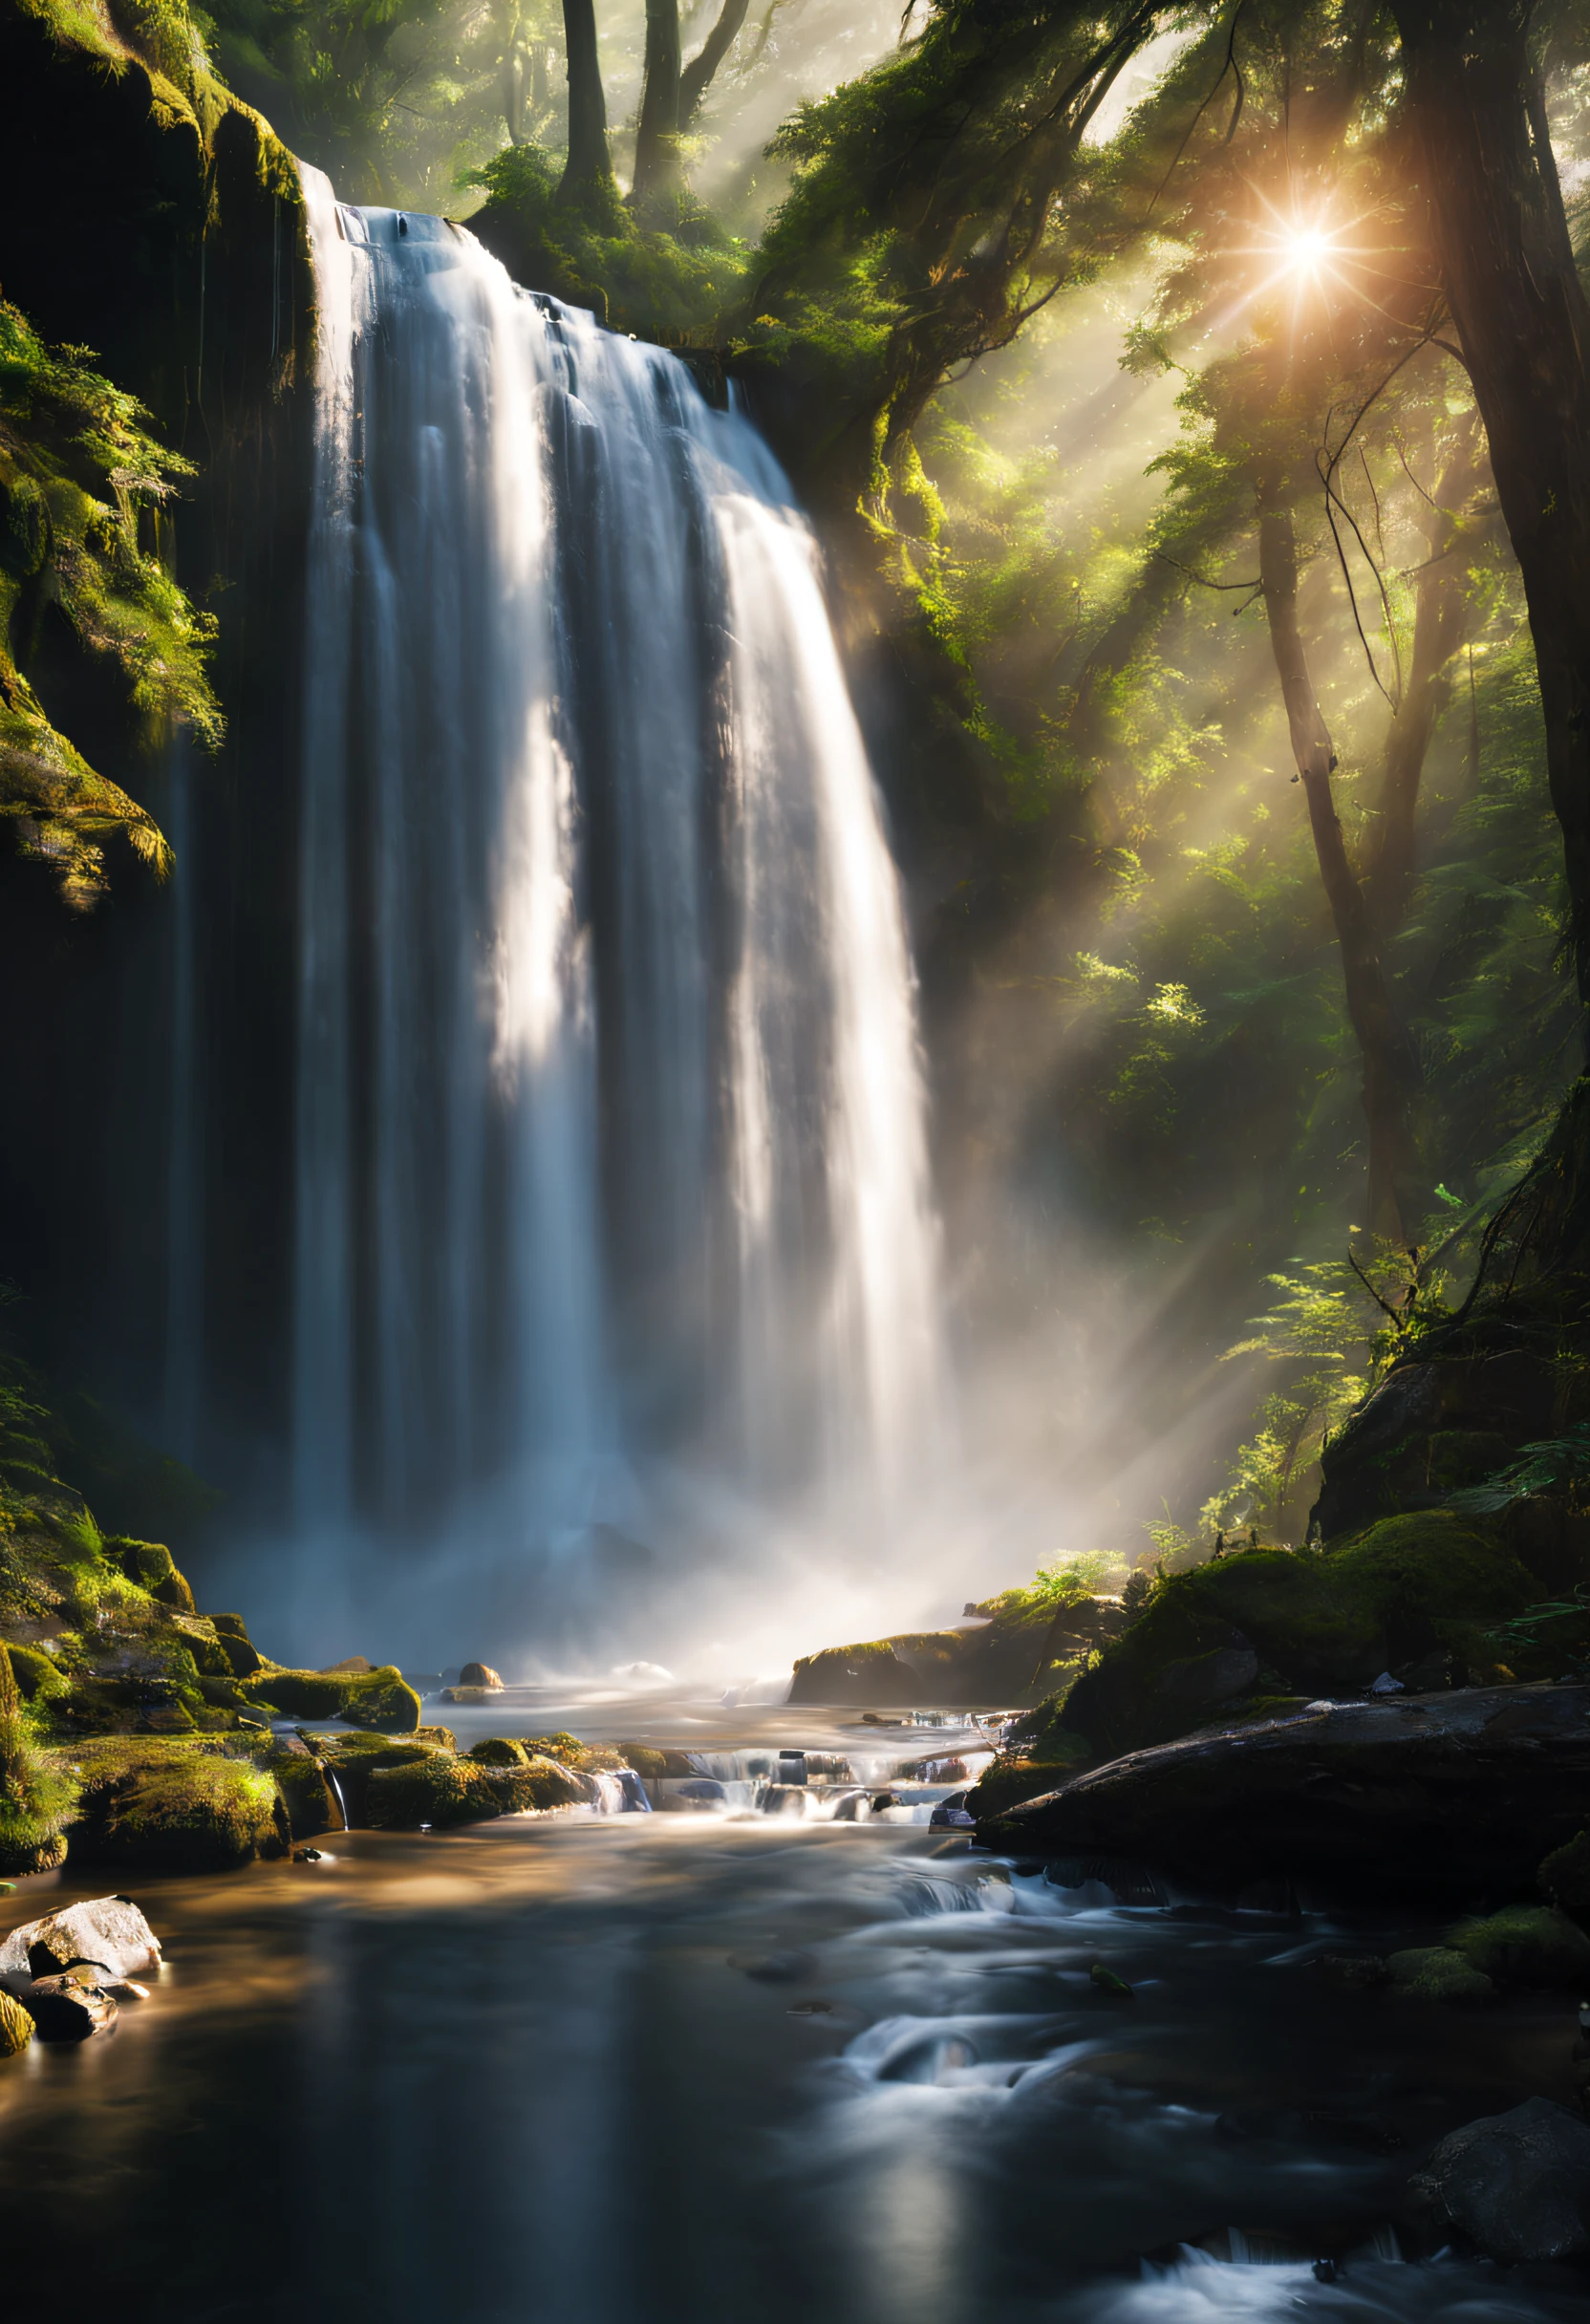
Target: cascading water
[{"x": 610, "y": 1158}]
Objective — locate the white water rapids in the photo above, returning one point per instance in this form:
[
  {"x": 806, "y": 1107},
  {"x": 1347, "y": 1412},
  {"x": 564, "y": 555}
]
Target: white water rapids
[{"x": 610, "y": 1165}]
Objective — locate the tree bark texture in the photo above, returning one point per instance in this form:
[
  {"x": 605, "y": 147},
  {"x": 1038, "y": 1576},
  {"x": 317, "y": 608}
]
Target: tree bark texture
[
  {"x": 657, "y": 139},
  {"x": 1442, "y": 620},
  {"x": 1390, "y": 1066},
  {"x": 1520, "y": 311},
  {"x": 590, "y": 165}
]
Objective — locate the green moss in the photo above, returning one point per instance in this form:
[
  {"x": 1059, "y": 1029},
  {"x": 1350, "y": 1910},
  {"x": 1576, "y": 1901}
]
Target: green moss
[
  {"x": 1011, "y": 1780},
  {"x": 37, "y": 1678},
  {"x": 1318, "y": 1624},
  {"x": 377, "y": 1699},
  {"x": 500, "y": 1751},
  {"x": 645, "y": 1759},
  {"x": 304, "y": 1791},
  {"x": 659, "y": 286},
  {"x": 1434, "y": 1972},
  {"x": 1526, "y": 1945},
  {"x": 151, "y": 1566},
  {"x": 1566, "y": 1876},
  {"x": 36, "y": 1793},
  {"x": 440, "y": 1791},
  {"x": 171, "y": 1806},
  {"x": 16, "y": 2026}
]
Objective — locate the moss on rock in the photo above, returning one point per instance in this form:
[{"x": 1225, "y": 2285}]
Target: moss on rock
[
  {"x": 1528, "y": 1944},
  {"x": 441, "y": 1791},
  {"x": 500, "y": 1751},
  {"x": 38, "y": 1677},
  {"x": 1313, "y": 1625},
  {"x": 1435, "y": 1972},
  {"x": 379, "y": 1700},
  {"x": 17, "y": 2026},
  {"x": 171, "y": 1806}
]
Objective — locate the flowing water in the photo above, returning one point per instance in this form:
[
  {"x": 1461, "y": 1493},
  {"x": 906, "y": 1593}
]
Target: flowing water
[
  {"x": 610, "y": 1177},
  {"x": 713, "y": 2065}
]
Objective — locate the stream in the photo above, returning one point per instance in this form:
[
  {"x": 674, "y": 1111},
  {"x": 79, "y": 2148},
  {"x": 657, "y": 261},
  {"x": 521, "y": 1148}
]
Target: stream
[{"x": 736, "y": 2061}]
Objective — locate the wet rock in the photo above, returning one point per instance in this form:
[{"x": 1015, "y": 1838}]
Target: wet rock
[
  {"x": 1353, "y": 1972},
  {"x": 17, "y": 2026},
  {"x": 1108, "y": 1982},
  {"x": 107, "y": 1928},
  {"x": 353, "y": 1665},
  {"x": 442, "y": 1792},
  {"x": 953, "y": 1815},
  {"x": 1463, "y": 1790},
  {"x": 1434, "y": 1972},
  {"x": 172, "y": 1806},
  {"x": 1527, "y": 1944},
  {"x": 479, "y": 1674},
  {"x": 1517, "y": 2185},
  {"x": 68, "y": 2009},
  {"x": 500, "y": 1751}
]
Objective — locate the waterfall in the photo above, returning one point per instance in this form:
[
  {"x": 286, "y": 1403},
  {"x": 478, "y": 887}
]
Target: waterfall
[{"x": 610, "y": 1152}]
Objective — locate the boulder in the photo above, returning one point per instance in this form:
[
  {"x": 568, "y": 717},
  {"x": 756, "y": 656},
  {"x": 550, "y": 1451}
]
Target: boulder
[
  {"x": 440, "y": 1791},
  {"x": 377, "y": 1700},
  {"x": 241, "y": 1654},
  {"x": 67, "y": 2008},
  {"x": 172, "y": 1806},
  {"x": 500, "y": 1751},
  {"x": 17, "y": 2026},
  {"x": 1517, "y": 2186},
  {"x": 1281, "y": 1625},
  {"x": 1461, "y": 1790},
  {"x": 479, "y": 1674},
  {"x": 1526, "y": 1945},
  {"x": 110, "y": 1929},
  {"x": 1434, "y": 1972}
]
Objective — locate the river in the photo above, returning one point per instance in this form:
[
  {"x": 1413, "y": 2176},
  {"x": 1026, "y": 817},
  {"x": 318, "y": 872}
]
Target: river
[{"x": 727, "y": 2066}]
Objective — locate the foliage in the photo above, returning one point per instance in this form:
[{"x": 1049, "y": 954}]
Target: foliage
[
  {"x": 1559, "y": 1465},
  {"x": 663, "y": 286},
  {"x": 81, "y": 487}
]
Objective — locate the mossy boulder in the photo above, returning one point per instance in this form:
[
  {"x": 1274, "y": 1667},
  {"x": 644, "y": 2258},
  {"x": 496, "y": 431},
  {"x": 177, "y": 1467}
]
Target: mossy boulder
[
  {"x": 1435, "y": 1972},
  {"x": 500, "y": 1751},
  {"x": 379, "y": 1700},
  {"x": 1528, "y": 1944},
  {"x": 172, "y": 1806},
  {"x": 1011, "y": 1779},
  {"x": 1310, "y": 1624},
  {"x": 307, "y": 1795},
  {"x": 151, "y": 1566},
  {"x": 243, "y": 1658},
  {"x": 1566, "y": 1877},
  {"x": 17, "y": 2026},
  {"x": 355, "y": 1758},
  {"x": 38, "y": 1679},
  {"x": 440, "y": 1791},
  {"x": 645, "y": 1759}
]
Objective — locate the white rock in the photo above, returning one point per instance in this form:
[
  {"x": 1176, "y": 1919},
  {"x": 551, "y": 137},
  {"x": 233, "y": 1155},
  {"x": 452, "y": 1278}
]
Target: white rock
[{"x": 107, "y": 1928}]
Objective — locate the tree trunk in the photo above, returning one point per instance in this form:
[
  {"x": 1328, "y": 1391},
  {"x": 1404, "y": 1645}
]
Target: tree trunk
[
  {"x": 655, "y": 192},
  {"x": 588, "y": 169},
  {"x": 696, "y": 76},
  {"x": 1441, "y": 621},
  {"x": 1390, "y": 1066},
  {"x": 1520, "y": 311}
]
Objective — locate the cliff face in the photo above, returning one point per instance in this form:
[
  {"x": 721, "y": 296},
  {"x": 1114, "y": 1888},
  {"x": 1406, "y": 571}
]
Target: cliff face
[{"x": 147, "y": 215}]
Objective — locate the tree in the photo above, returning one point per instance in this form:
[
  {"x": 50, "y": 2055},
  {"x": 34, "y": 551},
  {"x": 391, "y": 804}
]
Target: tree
[
  {"x": 1476, "y": 102},
  {"x": 588, "y": 172},
  {"x": 670, "y": 100}
]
